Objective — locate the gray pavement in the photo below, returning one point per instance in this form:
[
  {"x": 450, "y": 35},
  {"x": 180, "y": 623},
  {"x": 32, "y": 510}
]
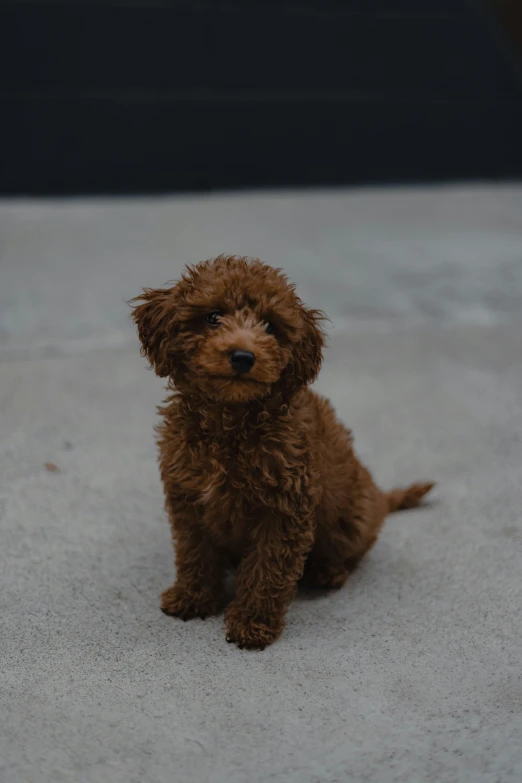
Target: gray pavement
[{"x": 412, "y": 672}]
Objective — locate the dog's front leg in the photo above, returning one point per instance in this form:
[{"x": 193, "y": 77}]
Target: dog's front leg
[
  {"x": 267, "y": 580},
  {"x": 200, "y": 569}
]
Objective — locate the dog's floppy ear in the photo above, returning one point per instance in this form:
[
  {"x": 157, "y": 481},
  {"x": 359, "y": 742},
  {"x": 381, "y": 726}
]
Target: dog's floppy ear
[
  {"x": 154, "y": 313},
  {"x": 307, "y": 356}
]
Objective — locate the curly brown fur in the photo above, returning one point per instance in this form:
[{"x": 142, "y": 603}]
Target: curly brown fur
[{"x": 258, "y": 473}]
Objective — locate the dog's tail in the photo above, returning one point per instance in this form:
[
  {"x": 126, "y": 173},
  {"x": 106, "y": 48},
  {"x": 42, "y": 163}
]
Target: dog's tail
[{"x": 407, "y": 498}]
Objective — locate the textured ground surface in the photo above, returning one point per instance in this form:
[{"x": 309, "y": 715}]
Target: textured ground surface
[{"x": 413, "y": 670}]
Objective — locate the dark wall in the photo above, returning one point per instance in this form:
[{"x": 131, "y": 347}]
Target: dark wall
[{"x": 149, "y": 95}]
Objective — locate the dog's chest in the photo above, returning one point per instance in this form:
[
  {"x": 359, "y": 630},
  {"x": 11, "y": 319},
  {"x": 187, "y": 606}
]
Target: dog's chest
[
  {"x": 236, "y": 475},
  {"x": 239, "y": 476},
  {"x": 234, "y": 478}
]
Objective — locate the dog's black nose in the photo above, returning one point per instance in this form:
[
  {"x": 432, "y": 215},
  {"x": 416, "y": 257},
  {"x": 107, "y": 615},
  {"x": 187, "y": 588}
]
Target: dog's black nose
[{"x": 242, "y": 361}]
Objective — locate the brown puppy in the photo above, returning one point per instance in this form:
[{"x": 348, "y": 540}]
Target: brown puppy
[{"x": 257, "y": 470}]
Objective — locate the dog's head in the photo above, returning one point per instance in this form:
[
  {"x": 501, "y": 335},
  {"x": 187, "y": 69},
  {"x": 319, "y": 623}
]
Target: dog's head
[{"x": 231, "y": 330}]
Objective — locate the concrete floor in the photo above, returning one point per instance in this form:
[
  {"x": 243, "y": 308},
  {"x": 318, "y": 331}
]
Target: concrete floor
[{"x": 413, "y": 671}]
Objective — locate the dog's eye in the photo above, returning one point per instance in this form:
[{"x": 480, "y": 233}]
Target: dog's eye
[
  {"x": 270, "y": 328},
  {"x": 213, "y": 318}
]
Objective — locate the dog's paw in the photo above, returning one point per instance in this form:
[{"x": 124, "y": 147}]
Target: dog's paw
[
  {"x": 251, "y": 631},
  {"x": 179, "y": 602},
  {"x": 325, "y": 578}
]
